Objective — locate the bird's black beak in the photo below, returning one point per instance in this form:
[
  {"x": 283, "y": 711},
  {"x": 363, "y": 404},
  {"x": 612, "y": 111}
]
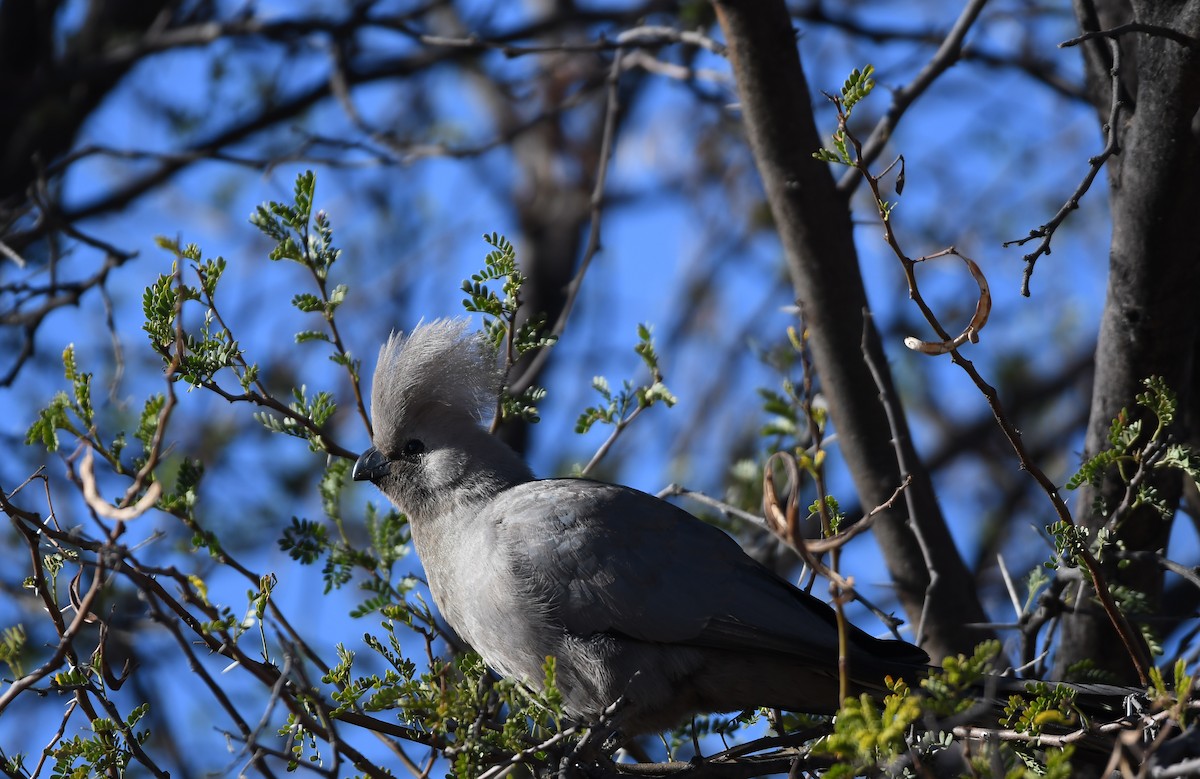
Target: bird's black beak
[{"x": 370, "y": 466}]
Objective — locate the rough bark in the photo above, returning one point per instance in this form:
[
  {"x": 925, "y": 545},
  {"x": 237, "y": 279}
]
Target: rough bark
[
  {"x": 814, "y": 225},
  {"x": 1149, "y": 325}
]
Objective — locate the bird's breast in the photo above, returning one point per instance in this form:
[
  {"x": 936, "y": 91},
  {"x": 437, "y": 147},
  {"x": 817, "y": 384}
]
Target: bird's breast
[{"x": 479, "y": 593}]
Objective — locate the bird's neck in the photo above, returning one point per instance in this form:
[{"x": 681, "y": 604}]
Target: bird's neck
[
  {"x": 492, "y": 476},
  {"x": 490, "y": 467}
]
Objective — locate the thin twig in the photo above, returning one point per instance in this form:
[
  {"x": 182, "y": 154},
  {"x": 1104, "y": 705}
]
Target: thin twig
[
  {"x": 816, "y": 438},
  {"x": 261, "y": 396},
  {"x": 1191, "y": 575},
  {"x": 66, "y": 635},
  {"x": 612, "y": 110},
  {"x": 1154, "y": 30},
  {"x": 728, "y": 509},
  {"x": 837, "y": 540},
  {"x": 649, "y": 36},
  {"x": 906, "y": 468},
  {"x": 1134, "y": 644},
  {"x": 618, "y": 428},
  {"x": 1111, "y": 147},
  {"x": 947, "y": 54},
  {"x": 867, "y": 519},
  {"x": 48, "y": 750}
]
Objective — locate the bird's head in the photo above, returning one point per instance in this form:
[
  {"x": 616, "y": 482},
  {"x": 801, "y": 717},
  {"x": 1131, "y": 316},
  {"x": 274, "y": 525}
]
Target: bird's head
[{"x": 431, "y": 391}]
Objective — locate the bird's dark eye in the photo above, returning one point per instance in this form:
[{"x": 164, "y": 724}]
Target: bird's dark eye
[{"x": 413, "y": 449}]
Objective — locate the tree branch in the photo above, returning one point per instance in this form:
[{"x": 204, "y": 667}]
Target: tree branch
[{"x": 813, "y": 220}]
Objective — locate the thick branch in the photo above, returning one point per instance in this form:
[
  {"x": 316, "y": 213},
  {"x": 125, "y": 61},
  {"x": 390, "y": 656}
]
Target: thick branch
[
  {"x": 814, "y": 226},
  {"x": 1149, "y": 326}
]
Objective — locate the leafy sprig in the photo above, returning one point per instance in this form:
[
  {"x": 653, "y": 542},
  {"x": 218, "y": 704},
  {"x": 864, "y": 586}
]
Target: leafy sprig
[
  {"x": 619, "y": 408},
  {"x": 199, "y": 354},
  {"x": 867, "y": 735},
  {"x": 855, "y": 88},
  {"x": 1137, "y": 444},
  {"x": 512, "y": 338}
]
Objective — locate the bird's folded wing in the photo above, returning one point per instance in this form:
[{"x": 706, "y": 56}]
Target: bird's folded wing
[{"x": 609, "y": 559}]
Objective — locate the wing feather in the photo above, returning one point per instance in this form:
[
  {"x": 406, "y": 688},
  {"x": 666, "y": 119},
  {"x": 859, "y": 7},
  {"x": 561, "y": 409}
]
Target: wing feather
[{"x": 610, "y": 559}]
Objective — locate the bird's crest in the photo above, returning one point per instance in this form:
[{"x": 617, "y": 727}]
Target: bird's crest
[{"x": 438, "y": 365}]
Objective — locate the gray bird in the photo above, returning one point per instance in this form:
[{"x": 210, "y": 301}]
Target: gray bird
[{"x": 635, "y": 598}]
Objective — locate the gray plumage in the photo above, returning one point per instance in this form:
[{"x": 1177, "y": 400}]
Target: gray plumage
[{"x": 634, "y": 597}]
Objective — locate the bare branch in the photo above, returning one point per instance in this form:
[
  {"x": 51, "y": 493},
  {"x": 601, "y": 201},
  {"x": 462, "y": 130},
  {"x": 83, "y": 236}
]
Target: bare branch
[
  {"x": 1095, "y": 164},
  {"x": 1156, "y": 30},
  {"x": 612, "y": 108}
]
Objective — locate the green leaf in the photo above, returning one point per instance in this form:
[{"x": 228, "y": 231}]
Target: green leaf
[
  {"x": 307, "y": 302},
  {"x": 210, "y": 273},
  {"x": 304, "y": 189},
  {"x": 304, "y": 541},
  {"x": 287, "y": 249},
  {"x": 857, "y": 86},
  {"x": 305, "y": 336},
  {"x": 12, "y": 649},
  {"x": 336, "y": 296},
  {"x": 148, "y": 421}
]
